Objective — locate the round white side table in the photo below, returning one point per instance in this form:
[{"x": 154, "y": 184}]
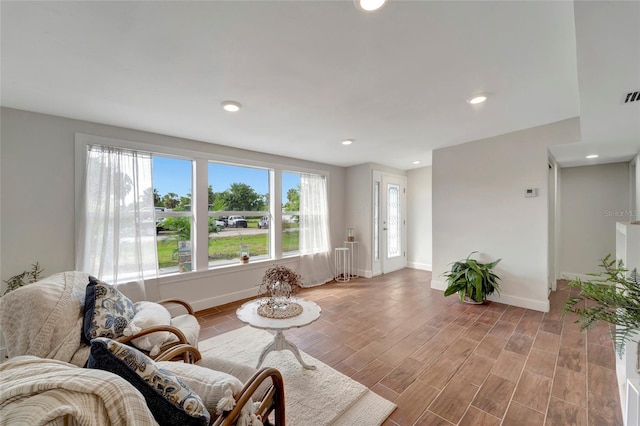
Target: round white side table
[{"x": 248, "y": 314}]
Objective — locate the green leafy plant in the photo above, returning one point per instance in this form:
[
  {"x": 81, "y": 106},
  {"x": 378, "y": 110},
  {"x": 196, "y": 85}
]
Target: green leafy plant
[
  {"x": 613, "y": 297},
  {"x": 26, "y": 277},
  {"x": 472, "y": 280}
]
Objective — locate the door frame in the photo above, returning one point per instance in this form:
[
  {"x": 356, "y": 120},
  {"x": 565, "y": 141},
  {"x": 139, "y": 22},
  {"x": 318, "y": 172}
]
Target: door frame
[{"x": 379, "y": 266}]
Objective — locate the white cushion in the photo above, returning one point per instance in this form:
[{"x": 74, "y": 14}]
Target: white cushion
[
  {"x": 189, "y": 325},
  {"x": 216, "y": 389},
  {"x": 242, "y": 372},
  {"x": 149, "y": 314}
]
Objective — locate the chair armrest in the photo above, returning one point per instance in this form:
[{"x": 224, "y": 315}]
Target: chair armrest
[
  {"x": 273, "y": 400},
  {"x": 186, "y": 305},
  {"x": 190, "y": 354},
  {"x": 179, "y": 334}
]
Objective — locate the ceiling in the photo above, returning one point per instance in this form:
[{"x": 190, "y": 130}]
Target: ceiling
[{"x": 312, "y": 73}]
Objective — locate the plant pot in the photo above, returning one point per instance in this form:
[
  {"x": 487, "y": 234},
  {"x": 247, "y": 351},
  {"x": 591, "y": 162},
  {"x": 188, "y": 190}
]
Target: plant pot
[{"x": 472, "y": 302}]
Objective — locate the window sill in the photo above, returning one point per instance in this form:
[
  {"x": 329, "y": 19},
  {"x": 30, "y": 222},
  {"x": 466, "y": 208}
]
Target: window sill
[{"x": 224, "y": 270}]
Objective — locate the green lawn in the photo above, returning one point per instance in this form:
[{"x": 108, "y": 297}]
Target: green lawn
[{"x": 227, "y": 247}]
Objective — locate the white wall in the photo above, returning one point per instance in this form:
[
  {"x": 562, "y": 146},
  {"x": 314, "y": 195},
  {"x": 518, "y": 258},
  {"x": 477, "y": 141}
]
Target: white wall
[
  {"x": 359, "y": 206},
  {"x": 38, "y": 217},
  {"x": 3, "y": 350},
  {"x": 479, "y": 204},
  {"x": 635, "y": 187},
  {"x": 358, "y": 214},
  {"x": 419, "y": 218},
  {"x": 593, "y": 199}
]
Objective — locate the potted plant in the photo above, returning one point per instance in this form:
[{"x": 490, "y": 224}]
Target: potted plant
[
  {"x": 472, "y": 280},
  {"x": 613, "y": 296},
  {"x": 26, "y": 277}
]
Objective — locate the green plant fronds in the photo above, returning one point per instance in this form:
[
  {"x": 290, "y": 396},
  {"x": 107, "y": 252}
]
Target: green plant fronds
[
  {"x": 24, "y": 278},
  {"x": 613, "y": 296}
]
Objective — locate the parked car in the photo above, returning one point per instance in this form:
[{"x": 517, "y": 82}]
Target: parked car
[
  {"x": 237, "y": 222},
  {"x": 159, "y": 221},
  {"x": 215, "y": 225},
  {"x": 264, "y": 222}
]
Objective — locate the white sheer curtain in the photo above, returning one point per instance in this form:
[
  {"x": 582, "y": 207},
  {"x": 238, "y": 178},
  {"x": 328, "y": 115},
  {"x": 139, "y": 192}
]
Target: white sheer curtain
[
  {"x": 117, "y": 235},
  {"x": 315, "y": 247}
]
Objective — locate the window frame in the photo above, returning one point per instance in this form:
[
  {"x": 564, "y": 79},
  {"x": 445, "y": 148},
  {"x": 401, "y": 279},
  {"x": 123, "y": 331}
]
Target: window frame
[
  {"x": 293, "y": 253},
  {"x": 214, "y": 213},
  {"x": 200, "y": 159}
]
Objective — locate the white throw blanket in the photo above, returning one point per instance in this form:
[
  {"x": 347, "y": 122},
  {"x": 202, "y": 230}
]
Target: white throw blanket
[
  {"x": 44, "y": 319},
  {"x": 35, "y": 391}
]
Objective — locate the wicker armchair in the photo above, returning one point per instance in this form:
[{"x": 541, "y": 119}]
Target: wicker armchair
[{"x": 265, "y": 386}]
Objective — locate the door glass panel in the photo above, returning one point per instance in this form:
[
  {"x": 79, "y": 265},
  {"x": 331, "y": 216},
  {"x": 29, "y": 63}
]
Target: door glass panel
[
  {"x": 376, "y": 221},
  {"x": 393, "y": 221}
]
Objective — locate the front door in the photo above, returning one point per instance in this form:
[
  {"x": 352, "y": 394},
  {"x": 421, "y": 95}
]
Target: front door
[{"x": 393, "y": 223}]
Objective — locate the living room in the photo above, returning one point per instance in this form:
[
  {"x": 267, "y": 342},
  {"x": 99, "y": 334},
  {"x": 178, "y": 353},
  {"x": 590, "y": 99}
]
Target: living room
[{"x": 468, "y": 192}]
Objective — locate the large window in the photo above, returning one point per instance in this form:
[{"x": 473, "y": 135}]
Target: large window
[{"x": 203, "y": 213}]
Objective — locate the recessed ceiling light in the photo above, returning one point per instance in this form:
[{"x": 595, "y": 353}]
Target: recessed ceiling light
[
  {"x": 231, "y": 106},
  {"x": 477, "y": 99},
  {"x": 369, "y": 5},
  {"x": 592, "y": 156},
  {"x": 347, "y": 142},
  {"x": 416, "y": 162}
]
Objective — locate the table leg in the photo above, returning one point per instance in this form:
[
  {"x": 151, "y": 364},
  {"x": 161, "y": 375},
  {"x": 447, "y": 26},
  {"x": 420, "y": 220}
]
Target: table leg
[{"x": 279, "y": 344}]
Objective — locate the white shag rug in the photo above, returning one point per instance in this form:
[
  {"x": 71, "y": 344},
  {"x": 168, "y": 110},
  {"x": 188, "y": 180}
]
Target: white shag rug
[{"x": 312, "y": 397}]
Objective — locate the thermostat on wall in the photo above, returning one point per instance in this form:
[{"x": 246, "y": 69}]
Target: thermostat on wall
[{"x": 531, "y": 192}]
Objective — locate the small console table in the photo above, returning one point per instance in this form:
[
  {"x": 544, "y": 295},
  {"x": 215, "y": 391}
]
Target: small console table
[{"x": 353, "y": 253}]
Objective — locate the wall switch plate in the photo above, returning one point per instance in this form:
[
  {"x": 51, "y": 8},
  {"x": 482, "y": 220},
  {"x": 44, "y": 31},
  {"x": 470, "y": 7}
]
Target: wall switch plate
[{"x": 531, "y": 192}]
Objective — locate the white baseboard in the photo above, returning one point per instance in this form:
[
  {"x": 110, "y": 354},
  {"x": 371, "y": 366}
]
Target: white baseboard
[
  {"x": 364, "y": 273},
  {"x": 211, "y": 302},
  {"x": 421, "y": 266},
  {"x": 536, "y": 305},
  {"x": 572, "y": 276},
  {"x": 438, "y": 285}
]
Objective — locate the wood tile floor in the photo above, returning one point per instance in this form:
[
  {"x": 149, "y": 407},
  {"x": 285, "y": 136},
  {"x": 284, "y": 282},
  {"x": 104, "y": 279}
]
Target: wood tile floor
[{"x": 444, "y": 363}]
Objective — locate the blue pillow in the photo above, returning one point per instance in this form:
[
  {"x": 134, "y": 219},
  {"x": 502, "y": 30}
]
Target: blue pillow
[
  {"x": 107, "y": 312},
  {"x": 168, "y": 398}
]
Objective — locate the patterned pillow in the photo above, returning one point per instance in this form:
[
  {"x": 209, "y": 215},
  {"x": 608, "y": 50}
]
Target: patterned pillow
[
  {"x": 169, "y": 399},
  {"x": 107, "y": 312}
]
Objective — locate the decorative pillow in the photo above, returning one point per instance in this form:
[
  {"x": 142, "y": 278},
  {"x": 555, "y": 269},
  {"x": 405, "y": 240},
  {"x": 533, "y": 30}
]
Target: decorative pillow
[
  {"x": 107, "y": 312},
  {"x": 214, "y": 387},
  {"x": 169, "y": 399},
  {"x": 217, "y": 389},
  {"x": 149, "y": 314}
]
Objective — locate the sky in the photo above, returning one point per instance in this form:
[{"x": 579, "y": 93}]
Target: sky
[{"x": 174, "y": 175}]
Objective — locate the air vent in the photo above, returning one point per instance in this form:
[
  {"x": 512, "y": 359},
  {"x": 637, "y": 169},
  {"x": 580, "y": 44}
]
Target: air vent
[{"x": 632, "y": 97}]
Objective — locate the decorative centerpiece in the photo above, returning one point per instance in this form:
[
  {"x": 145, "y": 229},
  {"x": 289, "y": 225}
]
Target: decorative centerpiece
[
  {"x": 244, "y": 254},
  {"x": 278, "y": 284},
  {"x": 351, "y": 235}
]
